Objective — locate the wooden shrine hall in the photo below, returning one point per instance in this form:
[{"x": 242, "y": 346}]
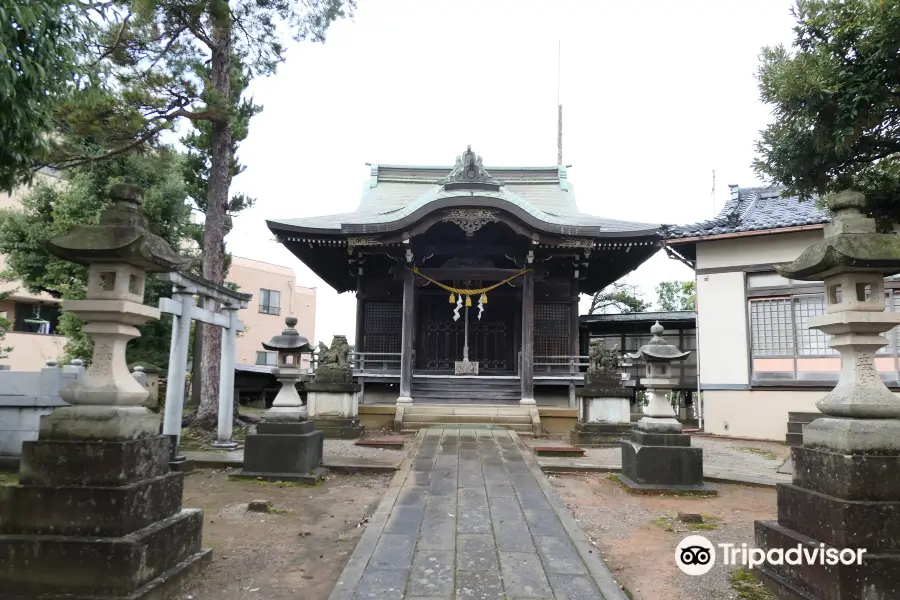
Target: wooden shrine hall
[{"x": 468, "y": 279}]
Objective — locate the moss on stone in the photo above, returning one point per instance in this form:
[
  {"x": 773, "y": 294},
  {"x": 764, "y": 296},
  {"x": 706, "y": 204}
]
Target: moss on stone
[{"x": 748, "y": 586}]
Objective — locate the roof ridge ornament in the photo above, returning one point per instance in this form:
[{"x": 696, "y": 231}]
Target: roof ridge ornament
[{"x": 469, "y": 173}]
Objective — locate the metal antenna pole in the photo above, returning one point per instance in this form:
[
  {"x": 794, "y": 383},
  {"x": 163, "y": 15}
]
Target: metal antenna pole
[
  {"x": 559, "y": 155},
  {"x": 466, "y": 334}
]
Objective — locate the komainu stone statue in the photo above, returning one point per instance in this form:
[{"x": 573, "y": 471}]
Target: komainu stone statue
[
  {"x": 333, "y": 365},
  {"x": 603, "y": 359}
]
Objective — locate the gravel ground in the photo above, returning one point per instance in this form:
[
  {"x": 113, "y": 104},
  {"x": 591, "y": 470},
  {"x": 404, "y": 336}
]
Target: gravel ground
[
  {"x": 637, "y": 535},
  {"x": 751, "y": 457},
  {"x": 349, "y": 449}
]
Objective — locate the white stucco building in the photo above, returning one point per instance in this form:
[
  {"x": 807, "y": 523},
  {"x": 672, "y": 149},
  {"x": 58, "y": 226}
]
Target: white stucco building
[{"x": 758, "y": 360}]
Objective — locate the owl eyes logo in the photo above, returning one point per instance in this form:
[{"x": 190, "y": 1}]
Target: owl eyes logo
[{"x": 695, "y": 555}]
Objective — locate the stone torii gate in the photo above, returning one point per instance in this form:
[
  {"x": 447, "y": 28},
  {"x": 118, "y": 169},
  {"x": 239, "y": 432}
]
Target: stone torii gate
[{"x": 184, "y": 309}]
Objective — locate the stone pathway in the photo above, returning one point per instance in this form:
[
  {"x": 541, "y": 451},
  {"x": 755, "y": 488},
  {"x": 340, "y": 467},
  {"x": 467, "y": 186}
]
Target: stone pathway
[{"x": 470, "y": 516}]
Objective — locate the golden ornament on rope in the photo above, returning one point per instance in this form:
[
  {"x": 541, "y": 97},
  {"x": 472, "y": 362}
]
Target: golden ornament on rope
[{"x": 465, "y": 292}]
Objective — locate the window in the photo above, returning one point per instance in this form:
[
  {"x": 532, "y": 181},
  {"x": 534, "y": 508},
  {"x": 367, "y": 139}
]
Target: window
[
  {"x": 35, "y": 318},
  {"x": 267, "y": 358},
  {"x": 270, "y": 302},
  {"x": 784, "y": 347}
]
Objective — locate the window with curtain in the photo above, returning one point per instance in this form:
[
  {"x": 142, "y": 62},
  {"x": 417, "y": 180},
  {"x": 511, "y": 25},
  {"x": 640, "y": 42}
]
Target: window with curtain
[{"x": 270, "y": 302}]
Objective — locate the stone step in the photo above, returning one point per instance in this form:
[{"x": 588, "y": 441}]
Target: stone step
[
  {"x": 795, "y": 427},
  {"x": 521, "y": 432},
  {"x": 803, "y": 417},
  {"x": 794, "y": 439},
  {"x": 464, "y": 418},
  {"x": 464, "y": 424},
  {"x": 469, "y": 409}
]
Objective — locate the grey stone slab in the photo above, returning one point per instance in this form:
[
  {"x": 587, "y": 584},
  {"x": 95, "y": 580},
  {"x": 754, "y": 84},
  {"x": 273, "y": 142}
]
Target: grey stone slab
[
  {"x": 473, "y": 519},
  {"x": 545, "y": 523},
  {"x": 423, "y": 464},
  {"x": 573, "y": 587},
  {"x": 432, "y": 573},
  {"x": 476, "y": 552},
  {"x": 559, "y": 556},
  {"x": 534, "y": 500},
  {"x": 443, "y": 485},
  {"x": 472, "y": 496},
  {"x": 412, "y": 496},
  {"x": 419, "y": 479},
  {"x": 440, "y": 507},
  {"x": 506, "y": 510},
  {"x": 393, "y": 551},
  {"x": 381, "y": 584},
  {"x": 479, "y": 585},
  {"x": 499, "y": 490},
  {"x": 404, "y": 519},
  {"x": 446, "y": 461},
  {"x": 438, "y": 534},
  {"x": 470, "y": 478},
  {"x": 523, "y": 575},
  {"x": 513, "y": 537}
]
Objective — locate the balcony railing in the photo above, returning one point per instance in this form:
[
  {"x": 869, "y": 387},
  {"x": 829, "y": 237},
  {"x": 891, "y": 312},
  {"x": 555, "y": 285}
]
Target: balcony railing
[
  {"x": 560, "y": 365},
  {"x": 366, "y": 363}
]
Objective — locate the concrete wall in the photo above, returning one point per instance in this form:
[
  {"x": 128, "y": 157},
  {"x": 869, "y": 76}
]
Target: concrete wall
[
  {"x": 722, "y": 329},
  {"x": 31, "y": 351},
  {"x": 24, "y": 398},
  {"x": 754, "y": 250},
  {"x": 251, "y": 276}
]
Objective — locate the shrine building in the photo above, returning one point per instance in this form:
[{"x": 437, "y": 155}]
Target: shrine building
[{"x": 468, "y": 279}]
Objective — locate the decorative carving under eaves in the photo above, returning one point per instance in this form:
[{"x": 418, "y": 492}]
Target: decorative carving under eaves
[
  {"x": 575, "y": 243},
  {"x": 469, "y": 173},
  {"x": 470, "y": 220},
  {"x": 363, "y": 241}
]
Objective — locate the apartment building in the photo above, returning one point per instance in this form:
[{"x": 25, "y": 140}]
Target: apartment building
[
  {"x": 276, "y": 295},
  {"x": 33, "y": 317}
]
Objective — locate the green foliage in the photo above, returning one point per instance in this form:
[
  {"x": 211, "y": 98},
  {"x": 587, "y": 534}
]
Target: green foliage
[
  {"x": 55, "y": 207},
  {"x": 677, "y": 295},
  {"x": 748, "y": 586},
  {"x": 835, "y": 100},
  {"x": 618, "y": 297},
  {"x": 37, "y": 46}
]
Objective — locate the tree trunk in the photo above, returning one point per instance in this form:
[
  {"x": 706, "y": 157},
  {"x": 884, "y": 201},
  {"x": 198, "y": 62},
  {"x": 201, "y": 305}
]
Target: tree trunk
[
  {"x": 196, "y": 368},
  {"x": 214, "y": 226}
]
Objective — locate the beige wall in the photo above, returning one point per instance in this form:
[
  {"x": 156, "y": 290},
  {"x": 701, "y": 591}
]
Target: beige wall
[
  {"x": 722, "y": 328},
  {"x": 251, "y": 276},
  {"x": 31, "y": 351},
  {"x": 754, "y": 250}
]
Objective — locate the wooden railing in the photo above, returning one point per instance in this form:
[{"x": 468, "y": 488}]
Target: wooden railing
[
  {"x": 560, "y": 365},
  {"x": 375, "y": 362}
]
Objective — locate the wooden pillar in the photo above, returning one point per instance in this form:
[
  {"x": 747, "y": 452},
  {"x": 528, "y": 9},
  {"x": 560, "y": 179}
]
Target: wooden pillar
[
  {"x": 406, "y": 338},
  {"x": 526, "y": 373},
  {"x": 359, "y": 342},
  {"x": 574, "y": 339}
]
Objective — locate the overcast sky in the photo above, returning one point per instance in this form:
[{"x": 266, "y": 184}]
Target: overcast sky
[{"x": 656, "y": 95}]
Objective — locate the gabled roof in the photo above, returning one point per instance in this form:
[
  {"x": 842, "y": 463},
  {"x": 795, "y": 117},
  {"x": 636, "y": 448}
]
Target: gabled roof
[
  {"x": 398, "y": 194},
  {"x": 754, "y": 209}
]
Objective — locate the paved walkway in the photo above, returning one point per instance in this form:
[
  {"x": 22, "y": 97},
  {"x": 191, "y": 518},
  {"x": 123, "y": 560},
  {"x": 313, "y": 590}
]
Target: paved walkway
[{"x": 469, "y": 515}]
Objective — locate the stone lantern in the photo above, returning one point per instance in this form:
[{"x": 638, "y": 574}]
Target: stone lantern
[
  {"x": 845, "y": 490},
  {"x": 286, "y": 447},
  {"x": 658, "y": 457},
  {"x": 98, "y": 512},
  {"x": 290, "y": 346}
]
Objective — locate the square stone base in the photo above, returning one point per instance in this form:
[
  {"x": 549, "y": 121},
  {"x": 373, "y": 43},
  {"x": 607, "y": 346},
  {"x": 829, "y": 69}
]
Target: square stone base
[
  {"x": 600, "y": 434},
  {"x": 342, "y": 429},
  {"x": 283, "y": 449},
  {"x": 605, "y": 410},
  {"x": 665, "y": 489},
  {"x": 662, "y": 465},
  {"x": 878, "y": 578},
  {"x": 312, "y": 477}
]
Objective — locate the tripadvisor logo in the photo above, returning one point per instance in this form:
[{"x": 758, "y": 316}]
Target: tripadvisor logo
[{"x": 696, "y": 555}]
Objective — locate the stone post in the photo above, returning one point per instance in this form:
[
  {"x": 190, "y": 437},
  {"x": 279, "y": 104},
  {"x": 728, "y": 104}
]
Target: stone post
[
  {"x": 98, "y": 512},
  {"x": 178, "y": 355},
  {"x": 845, "y": 492},
  {"x": 658, "y": 457},
  {"x": 286, "y": 447},
  {"x": 226, "y": 381}
]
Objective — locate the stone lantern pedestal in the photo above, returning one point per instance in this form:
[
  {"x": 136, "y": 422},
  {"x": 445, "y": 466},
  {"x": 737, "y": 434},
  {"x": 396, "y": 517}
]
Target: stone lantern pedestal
[
  {"x": 658, "y": 457},
  {"x": 333, "y": 397},
  {"x": 286, "y": 447},
  {"x": 845, "y": 493},
  {"x": 97, "y": 512}
]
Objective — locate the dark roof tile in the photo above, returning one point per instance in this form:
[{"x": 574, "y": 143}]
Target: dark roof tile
[{"x": 754, "y": 209}]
